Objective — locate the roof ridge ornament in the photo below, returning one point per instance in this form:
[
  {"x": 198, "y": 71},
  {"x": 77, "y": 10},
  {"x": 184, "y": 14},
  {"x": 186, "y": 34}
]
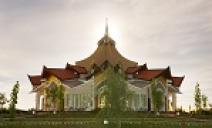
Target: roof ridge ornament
[{"x": 106, "y": 26}]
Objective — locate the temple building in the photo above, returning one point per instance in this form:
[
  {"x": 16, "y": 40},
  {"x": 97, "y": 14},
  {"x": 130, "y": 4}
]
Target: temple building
[{"x": 81, "y": 81}]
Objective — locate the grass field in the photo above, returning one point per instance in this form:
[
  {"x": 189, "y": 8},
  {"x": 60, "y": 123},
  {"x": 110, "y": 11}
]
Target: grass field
[{"x": 88, "y": 120}]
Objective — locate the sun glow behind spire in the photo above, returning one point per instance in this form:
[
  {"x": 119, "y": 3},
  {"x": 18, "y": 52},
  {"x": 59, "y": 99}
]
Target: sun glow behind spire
[{"x": 109, "y": 27}]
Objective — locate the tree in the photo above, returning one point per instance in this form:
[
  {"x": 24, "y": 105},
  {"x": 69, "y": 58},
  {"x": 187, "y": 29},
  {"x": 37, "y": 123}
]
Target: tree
[
  {"x": 197, "y": 97},
  {"x": 3, "y": 100},
  {"x": 116, "y": 93},
  {"x": 60, "y": 97},
  {"x": 14, "y": 99},
  {"x": 55, "y": 94},
  {"x": 204, "y": 101},
  {"x": 157, "y": 95},
  {"x": 51, "y": 94}
]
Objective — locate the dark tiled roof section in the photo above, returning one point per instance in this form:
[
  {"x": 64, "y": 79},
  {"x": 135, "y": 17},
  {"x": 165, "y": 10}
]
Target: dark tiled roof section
[
  {"x": 154, "y": 73},
  {"x": 177, "y": 81},
  {"x": 79, "y": 69},
  {"x": 35, "y": 80},
  {"x": 62, "y": 74},
  {"x": 149, "y": 74},
  {"x": 72, "y": 83},
  {"x": 132, "y": 70}
]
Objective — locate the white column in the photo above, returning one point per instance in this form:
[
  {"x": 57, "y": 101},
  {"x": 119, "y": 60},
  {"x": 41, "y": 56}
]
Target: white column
[
  {"x": 140, "y": 105},
  {"x": 74, "y": 99},
  {"x": 83, "y": 100},
  {"x": 167, "y": 98},
  {"x": 37, "y": 101},
  {"x": 72, "y": 103},
  {"x": 80, "y": 104},
  {"x": 136, "y": 102},
  {"x": 77, "y": 100},
  {"x": 133, "y": 102},
  {"x": 71, "y": 99},
  {"x": 89, "y": 101},
  {"x": 80, "y": 100},
  {"x": 174, "y": 101},
  {"x": 93, "y": 94},
  {"x": 45, "y": 108},
  {"x": 65, "y": 101}
]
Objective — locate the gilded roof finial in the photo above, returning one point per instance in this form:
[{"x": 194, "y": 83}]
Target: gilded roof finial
[{"x": 106, "y": 27}]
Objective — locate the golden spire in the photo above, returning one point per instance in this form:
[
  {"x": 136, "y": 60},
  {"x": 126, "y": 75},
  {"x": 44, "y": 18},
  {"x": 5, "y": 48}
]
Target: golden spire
[{"x": 106, "y": 27}]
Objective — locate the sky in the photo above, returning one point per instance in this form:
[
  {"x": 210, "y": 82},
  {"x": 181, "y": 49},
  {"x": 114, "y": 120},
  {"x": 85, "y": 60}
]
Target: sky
[{"x": 161, "y": 33}]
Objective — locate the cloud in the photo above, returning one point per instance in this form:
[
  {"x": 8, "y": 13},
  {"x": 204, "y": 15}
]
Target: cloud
[{"x": 174, "y": 33}]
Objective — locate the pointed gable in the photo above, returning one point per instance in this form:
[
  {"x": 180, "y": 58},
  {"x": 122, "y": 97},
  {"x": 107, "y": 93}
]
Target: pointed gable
[
  {"x": 153, "y": 73},
  {"x": 35, "y": 79},
  {"x": 78, "y": 69},
  {"x": 177, "y": 81},
  {"x": 132, "y": 70},
  {"x": 60, "y": 73},
  {"x": 149, "y": 74}
]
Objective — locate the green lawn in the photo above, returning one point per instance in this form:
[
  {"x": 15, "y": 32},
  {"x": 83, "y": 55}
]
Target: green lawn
[
  {"x": 93, "y": 123},
  {"x": 88, "y": 120}
]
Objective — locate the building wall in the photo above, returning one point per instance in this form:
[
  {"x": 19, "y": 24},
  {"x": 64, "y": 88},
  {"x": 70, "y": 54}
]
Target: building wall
[{"x": 86, "y": 98}]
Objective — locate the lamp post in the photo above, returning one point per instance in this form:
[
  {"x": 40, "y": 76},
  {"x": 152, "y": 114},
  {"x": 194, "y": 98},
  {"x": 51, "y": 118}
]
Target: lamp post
[
  {"x": 54, "y": 112},
  {"x": 33, "y": 112},
  {"x": 106, "y": 122}
]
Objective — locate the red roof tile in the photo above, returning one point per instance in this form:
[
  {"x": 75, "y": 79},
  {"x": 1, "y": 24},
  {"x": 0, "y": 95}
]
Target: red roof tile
[
  {"x": 149, "y": 74},
  {"x": 79, "y": 69},
  {"x": 177, "y": 81},
  {"x": 35, "y": 80},
  {"x": 132, "y": 70},
  {"x": 153, "y": 73},
  {"x": 62, "y": 74}
]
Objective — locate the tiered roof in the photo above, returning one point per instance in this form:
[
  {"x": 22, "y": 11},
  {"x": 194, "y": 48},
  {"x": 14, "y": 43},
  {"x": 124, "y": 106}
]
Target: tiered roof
[
  {"x": 133, "y": 70},
  {"x": 35, "y": 79},
  {"x": 60, "y": 73},
  {"x": 105, "y": 52},
  {"x": 78, "y": 69},
  {"x": 177, "y": 81},
  {"x": 70, "y": 72},
  {"x": 149, "y": 74},
  {"x": 143, "y": 73}
]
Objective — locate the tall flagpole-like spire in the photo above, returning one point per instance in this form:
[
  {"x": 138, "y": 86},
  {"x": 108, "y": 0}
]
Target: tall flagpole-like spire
[{"x": 106, "y": 27}]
